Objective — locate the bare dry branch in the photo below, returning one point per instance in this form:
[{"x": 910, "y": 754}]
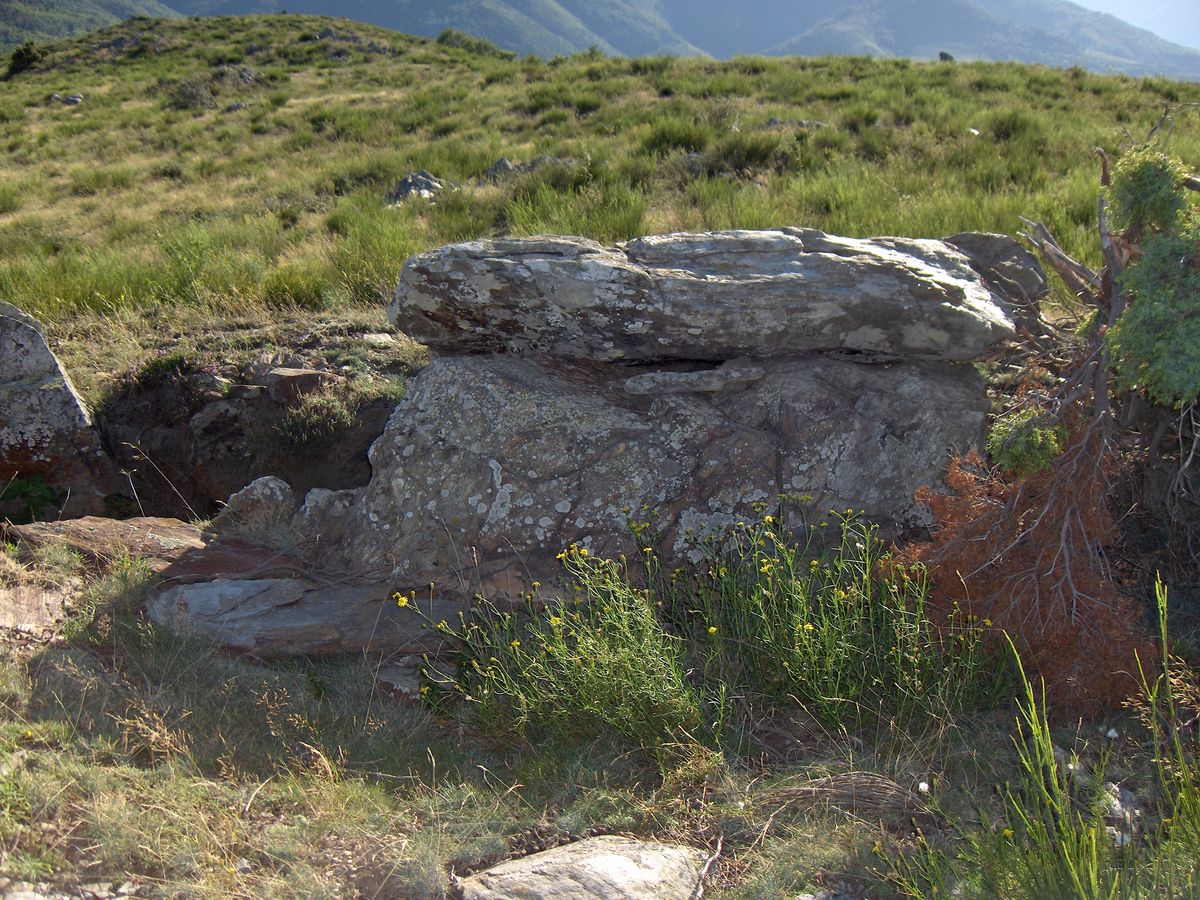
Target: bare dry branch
[{"x": 1081, "y": 280}]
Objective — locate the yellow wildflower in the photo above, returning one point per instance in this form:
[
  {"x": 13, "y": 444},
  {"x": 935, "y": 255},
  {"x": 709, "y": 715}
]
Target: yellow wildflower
[
  {"x": 712, "y": 629},
  {"x": 401, "y": 600},
  {"x": 515, "y": 644},
  {"x": 808, "y": 626}
]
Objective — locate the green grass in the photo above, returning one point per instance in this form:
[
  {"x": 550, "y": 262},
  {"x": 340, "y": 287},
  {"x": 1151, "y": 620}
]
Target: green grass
[
  {"x": 150, "y": 223},
  {"x": 689, "y": 659},
  {"x": 133, "y": 754}
]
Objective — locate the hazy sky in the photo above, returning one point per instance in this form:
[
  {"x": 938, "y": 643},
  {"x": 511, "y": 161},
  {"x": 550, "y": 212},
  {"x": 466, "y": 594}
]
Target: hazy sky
[{"x": 1176, "y": 20}]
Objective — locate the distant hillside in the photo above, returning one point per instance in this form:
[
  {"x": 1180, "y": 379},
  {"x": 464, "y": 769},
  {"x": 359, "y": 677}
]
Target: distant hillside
[
  {"x": 544, "y": 27},
  {"x": 51, "y": 20},
  {"x": 1051, "y": 32}
]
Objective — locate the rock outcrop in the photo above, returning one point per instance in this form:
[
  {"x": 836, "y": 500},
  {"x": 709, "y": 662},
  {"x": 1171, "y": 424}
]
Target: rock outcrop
[
  {"x": 679, "y": 379},
  {"x": 45, "y": 429},
  {"x": 684, "y": 380}
]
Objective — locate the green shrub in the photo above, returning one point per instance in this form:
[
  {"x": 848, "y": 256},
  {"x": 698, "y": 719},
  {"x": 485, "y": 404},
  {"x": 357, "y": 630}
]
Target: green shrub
[
  {"x": 1022, "y": 443},
  {"x": 10, "y": 198},
  {"x": 1147, "y": 191},
  {"x": 597, "y": 664},
  {"x": 841, "y": 630},
  {"x": 190, "y": 94},
  {"x": 1153, "y": 343},
  {"x": 24, "y": 58},
  {"x": 452, "y": 37},
  {"x": 742, "y": 151}
]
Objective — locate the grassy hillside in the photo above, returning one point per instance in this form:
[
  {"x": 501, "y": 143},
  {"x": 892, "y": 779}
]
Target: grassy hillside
[
  {"x": 224, "y": 178},
  {"x": 225, "y": 161},
  {"x": 50, "y": 20}
]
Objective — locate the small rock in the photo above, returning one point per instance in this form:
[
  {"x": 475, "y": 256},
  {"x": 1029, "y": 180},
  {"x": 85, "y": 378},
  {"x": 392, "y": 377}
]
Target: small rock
[
  {"x": 287, "y": 385},
  {"x": 235, "y": 107},
  {"x": 264, "y": 505},
  {"x": 401, "y": 678},
  {"x": 72, "y": 99},
  {"x": 296, "y": 616},
  {"x": 215, "y": 416},
  {"x": 243, "y": 867},
  {"x": 506, "y": 168},
  {"x": 609, "y": 867},
  {"x": 500, "y": 169},
  {"x": 419, "y": 184},
  {"x": 15, "y": 762},
  {"x": 379, "y": 341},
  {"x": 246, "y": 392}
]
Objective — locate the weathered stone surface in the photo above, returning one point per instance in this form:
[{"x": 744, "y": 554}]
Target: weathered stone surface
[
  {"x": 600, "y": 868},
  {"x": 277, "y": 616},
  {"x": 1005, "y": 262},
  {"x": 491, "y": 465},
  {"x": 714, "y": 297},
  {"x": 159, "y": 542},
  {"x": 45, "y": 429},
  {"x": 265, "y": 504},
  {"x": 288, "y": 385},
  {"x": 681, "y": 380},
  {"x": 29, "y": 607}
]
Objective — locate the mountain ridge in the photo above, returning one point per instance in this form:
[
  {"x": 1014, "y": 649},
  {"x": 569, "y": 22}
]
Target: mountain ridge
[{"x": 1050, "y": 32}]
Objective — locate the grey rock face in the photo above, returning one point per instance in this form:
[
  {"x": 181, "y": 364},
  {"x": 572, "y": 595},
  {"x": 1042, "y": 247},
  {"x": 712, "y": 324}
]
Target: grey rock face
[
  {"x": 599, "y": 868},
  {"x": 276, "y": 616},
  {"x": 491, "y": 465},
  {"x": 45, "y": 429},
  {"x": 718, "y": 296}
]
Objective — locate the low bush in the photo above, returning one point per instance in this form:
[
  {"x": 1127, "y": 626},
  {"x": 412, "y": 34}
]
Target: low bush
[
  {"x": 665, "y": 661},
  {"x": 452, "y": 37},
  {"x": 24, "y": 58}
]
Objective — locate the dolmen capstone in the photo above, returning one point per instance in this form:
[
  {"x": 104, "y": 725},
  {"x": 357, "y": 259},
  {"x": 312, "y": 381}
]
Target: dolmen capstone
[{"x": 681, "y": 379}]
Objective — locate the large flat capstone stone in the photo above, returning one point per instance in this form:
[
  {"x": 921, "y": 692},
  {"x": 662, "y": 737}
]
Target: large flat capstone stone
[{"x": 714, "y": 296}]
